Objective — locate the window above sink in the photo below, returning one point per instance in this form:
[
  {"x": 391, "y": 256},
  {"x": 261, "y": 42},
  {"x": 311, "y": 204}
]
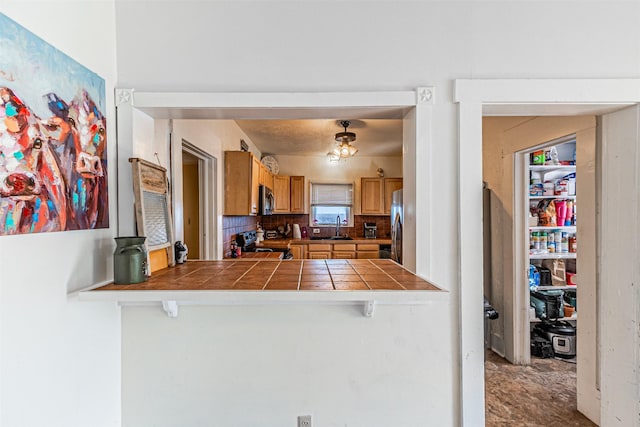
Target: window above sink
[{"x": 330, "y": 201}]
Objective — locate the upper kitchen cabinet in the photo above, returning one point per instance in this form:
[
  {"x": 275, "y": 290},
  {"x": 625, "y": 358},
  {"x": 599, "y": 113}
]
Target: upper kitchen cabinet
[
  {"x": 266, "y": 177},
  {"x": 297, "y": 194},
  {"x": 288, "y": 192},
  {"x": 372, "y": 196},
  {"x": 241, "y": 183},
  {"x": 282, "y": 194},
  {"x": 390, "y": 185},
  {"x": 375, "y": 195}
]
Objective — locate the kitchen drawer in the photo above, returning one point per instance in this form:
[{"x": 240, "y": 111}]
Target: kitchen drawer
[
  {"x": 320, "y": 248},
  {"x": 343, "y": 255},
  {"x": 368, "y": 247},
  {"x": 368, "y": 255},
  {"x": 319, "y": 255},
  {"x": 342, "y": 247}
]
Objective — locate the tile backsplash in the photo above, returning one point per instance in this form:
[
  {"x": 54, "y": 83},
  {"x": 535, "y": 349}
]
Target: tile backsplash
[
  {"x": 383, "y": 222},
  {"x": 232, "y": 225}
]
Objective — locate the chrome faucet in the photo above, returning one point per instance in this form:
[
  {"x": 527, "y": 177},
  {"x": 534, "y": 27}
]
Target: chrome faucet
[{"x": 338, "y": 226}]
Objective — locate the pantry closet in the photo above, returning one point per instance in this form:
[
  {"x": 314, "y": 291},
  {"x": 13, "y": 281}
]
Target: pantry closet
[{"x": 515, "y": 181}]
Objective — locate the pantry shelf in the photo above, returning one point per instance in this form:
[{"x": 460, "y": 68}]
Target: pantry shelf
[
  {"x": 536, "y": 320},
  {"x": 547, "y": 168},
  {"x": 568, "y": 229},
  {"x": 552, "y": 197},
  {"x": 551, "y": 288},
  {"x": 562, "y": 255}
]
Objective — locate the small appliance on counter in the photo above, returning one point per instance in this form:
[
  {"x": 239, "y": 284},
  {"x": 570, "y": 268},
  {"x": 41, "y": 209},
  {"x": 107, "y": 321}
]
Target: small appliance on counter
[
  {"x": 370, "y": 230},
  {"x": 271, "y": 234}
]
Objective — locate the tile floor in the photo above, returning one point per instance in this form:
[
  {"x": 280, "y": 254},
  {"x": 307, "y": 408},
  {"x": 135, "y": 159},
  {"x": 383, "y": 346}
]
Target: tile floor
[{"x": 540, "y": 395}]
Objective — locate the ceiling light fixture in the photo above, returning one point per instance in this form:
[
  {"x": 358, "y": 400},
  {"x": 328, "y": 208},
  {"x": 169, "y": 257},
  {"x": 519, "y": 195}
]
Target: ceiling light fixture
[{"x": 344, "y": 150}]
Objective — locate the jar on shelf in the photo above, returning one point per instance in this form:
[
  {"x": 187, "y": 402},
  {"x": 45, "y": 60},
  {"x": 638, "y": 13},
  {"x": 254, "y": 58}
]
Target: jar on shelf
[
  {"x": 551, "y": 243},
  {"x": 573, "y": 244},
  {"x": 543, "y": 241}
]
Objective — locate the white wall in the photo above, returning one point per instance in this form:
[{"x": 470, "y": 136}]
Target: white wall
[
  {"x": 286, "y": 46},
  {"x": 265, "y": 365},
  {"x": 59, "y": 358}
]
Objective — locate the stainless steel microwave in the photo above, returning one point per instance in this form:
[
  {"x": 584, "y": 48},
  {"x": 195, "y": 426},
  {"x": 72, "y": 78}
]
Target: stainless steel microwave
[{"x": 266, "y": 201}]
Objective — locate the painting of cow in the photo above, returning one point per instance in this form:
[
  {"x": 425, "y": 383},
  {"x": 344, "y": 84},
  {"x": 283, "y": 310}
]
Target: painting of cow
[
  {"x": 53, "y": 139},
  {"x": 78, "y": 133},
  {"x": 32, "y": 193}
]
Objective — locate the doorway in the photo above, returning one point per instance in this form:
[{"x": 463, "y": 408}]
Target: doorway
[
  {"x": 515, "y": 181},
  {"x": 198, "y": 197},
  {"x": 191, "y": 206},
  {"x": 620, "y": 135}
]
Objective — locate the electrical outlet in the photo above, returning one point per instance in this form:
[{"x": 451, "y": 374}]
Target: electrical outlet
[
  {"x": 304, "y": 421},
  {"x": 316, "y": 231}
]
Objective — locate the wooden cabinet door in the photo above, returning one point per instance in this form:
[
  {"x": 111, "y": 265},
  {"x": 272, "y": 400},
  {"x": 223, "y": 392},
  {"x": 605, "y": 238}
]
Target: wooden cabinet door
[
  {"x": 281, "y": 194},
  {"x": 390, "y": 185},
  {"x": 238, "y": 197},
  {"x": 266, "y": 178},
  {"x": 297, "y": 251},
  {"x": 255, "y": 184},
  {"x": 371, "y": 196},
  {"x": 297, "y": 194}
]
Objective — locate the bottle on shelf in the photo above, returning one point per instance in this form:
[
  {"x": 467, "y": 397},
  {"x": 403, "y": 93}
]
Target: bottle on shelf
[{"x": 573, "y": 244}]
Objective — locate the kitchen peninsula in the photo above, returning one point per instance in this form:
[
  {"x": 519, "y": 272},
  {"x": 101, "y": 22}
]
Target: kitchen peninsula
[{"x": 273, "y": 281}]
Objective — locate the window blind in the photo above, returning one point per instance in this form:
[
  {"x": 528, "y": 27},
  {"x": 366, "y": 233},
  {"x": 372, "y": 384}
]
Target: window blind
[{"x": 331, "y": 194}]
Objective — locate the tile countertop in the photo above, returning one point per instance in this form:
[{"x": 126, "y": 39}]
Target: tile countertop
[
  {"x": 257, "y": 255},
  {"x": 272, "y": 281}
]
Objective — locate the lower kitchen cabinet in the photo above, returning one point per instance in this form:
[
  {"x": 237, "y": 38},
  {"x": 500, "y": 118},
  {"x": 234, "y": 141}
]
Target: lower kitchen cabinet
[
  {"x": 298, "y": 251},
  {"x": 343, "y": 255},
  {"x": 344, "y": 251},
  {"x": 319, "y": 255},
  {"x": 319, "y": 251},
  {"x": 336, "y": 251}
]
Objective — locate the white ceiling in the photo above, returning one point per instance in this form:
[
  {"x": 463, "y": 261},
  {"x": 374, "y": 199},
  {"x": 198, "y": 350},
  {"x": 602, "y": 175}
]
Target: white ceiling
[
  {"x": 305, "y": 131},
  {"x": 374, "y": 137}
]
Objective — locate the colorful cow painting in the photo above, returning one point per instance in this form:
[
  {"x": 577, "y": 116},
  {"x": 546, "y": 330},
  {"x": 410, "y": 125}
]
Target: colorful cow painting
[
  {"x": 32, "y": 192},
  {"x": 53, "y": 139}
]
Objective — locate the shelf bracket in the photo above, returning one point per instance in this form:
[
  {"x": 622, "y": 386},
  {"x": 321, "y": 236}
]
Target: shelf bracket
[
  {"x": 171, "y": 308},
  {"x": 368, "y": 308}
]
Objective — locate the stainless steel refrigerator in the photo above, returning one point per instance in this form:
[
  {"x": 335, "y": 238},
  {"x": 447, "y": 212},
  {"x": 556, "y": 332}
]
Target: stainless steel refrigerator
[{"x": 397, "y": 218}]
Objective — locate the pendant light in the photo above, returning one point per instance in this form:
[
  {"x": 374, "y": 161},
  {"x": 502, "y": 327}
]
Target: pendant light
[{"x": 344, "y": 149}]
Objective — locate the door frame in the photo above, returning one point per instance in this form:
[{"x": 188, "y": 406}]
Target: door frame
[
  {"x": 207, "y": 165},
  {"x": 509, "y": 97}
]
